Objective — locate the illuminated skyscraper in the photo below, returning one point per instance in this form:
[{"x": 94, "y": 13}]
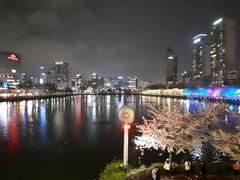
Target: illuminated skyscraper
[
  {"x": 223, "y": 51},
  {"x": 59, "y": 75},
  {"x": 117, "y": 82},
  {"x": 201, "y": 58},
  {"x": 94, "y": 81},
  {"x": 78, "y": 82},
  {"x": 132, "y": 82},
  {"x": 10, "y": 68},
  {"x": 171, "y": 68},
  {"x": 42, "y": 75}
]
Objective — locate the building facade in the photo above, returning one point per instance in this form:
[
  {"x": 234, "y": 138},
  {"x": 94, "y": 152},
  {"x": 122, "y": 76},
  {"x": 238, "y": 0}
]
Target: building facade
[
  {"x": 186, "y": 78},
  {"x": 223, "y": 51},
  {"x": 10, "y": 69},
  {"x": 78, "y": 83},
  {"x": 59, "y": 74},
  {"x": 201, "y": 58},
  {"x": 132, "y": 82},
  {"x": 171, "y": 74}
]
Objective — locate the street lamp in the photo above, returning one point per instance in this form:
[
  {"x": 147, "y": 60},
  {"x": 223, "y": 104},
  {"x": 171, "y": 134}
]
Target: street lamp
[{"x": 126, "y": 116}]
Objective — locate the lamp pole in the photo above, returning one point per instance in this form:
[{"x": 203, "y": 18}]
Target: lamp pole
[
  {"x": 125, "y": 145},
  {"x": 126, "y": 116}
]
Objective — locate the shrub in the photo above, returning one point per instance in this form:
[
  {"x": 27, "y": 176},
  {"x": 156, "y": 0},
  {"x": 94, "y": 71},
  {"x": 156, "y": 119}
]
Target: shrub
[
  {"x": 218, "y": 168},
  {"x": 113, "y": 171}
]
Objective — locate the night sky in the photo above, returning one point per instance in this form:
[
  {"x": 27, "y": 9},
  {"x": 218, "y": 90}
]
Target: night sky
[{"x": 110, "y": 37}]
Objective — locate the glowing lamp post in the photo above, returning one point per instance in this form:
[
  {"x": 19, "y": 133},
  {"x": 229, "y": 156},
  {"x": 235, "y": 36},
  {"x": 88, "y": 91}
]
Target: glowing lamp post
[{"x": 126, "y": 116}]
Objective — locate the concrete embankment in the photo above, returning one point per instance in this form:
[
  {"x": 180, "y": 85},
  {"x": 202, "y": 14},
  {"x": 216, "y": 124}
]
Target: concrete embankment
[
  {"x": 57, "y": 95},
  {"x": 49, "y": 96},
  {"x": 21, "y": 98}
]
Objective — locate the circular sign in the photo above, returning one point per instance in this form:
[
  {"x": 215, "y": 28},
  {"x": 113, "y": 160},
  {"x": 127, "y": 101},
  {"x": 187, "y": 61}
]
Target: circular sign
[{"x": 126, "y": 114}]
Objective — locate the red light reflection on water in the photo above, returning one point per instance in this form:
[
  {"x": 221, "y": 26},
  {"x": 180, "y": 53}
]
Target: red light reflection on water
[
  {"x": 13, "y": 145},
  {"x": 78, "y": 121}
]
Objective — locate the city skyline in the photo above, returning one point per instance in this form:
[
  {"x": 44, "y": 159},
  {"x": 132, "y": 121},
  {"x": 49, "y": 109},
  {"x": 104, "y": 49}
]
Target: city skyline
[{"x": 94, "y": 36}]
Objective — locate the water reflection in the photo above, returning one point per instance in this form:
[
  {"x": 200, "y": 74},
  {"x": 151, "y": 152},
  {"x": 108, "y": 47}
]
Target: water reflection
[
  {"x": 3, "y": 120},
  {"x": 84, "y": 122},
  {"x": 78, "y": 115},
  {"x": 58, "y": 120},
  {"x": 42, "y": 123},
  {"x": 12, "y": 138}
]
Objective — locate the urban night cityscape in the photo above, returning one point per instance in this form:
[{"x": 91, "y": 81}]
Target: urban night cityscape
[{"x": 120, "y": 89}]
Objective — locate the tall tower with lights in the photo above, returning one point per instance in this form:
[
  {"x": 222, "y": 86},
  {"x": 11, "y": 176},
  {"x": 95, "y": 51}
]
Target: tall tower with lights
[
  {"x": 223, "y": 51},
  {"x": 171, "y": 68},
  {"x": 201, "y": 58}
]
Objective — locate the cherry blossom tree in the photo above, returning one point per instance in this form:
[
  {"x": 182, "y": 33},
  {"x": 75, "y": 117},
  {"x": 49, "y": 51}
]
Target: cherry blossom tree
[
  {"x": 173, "y": 129},
  {"x": 227, "y": 143}
]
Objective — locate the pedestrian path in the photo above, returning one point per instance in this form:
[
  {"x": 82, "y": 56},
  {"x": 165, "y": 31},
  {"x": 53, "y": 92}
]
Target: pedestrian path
[{"x": 207, "y": 177}]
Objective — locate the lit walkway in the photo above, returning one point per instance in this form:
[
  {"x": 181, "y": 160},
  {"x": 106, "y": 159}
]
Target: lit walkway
[{"x": 207, "y": 177}]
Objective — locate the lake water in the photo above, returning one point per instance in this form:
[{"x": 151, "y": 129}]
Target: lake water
[{"x": 68, "y": 138}]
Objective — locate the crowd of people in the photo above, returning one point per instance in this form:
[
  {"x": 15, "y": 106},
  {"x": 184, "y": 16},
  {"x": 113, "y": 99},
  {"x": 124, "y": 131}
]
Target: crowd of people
[{"x": 199, "y": 170}]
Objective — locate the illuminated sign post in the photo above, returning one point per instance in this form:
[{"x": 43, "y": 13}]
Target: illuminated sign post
[{"x": 126, "y": 116}]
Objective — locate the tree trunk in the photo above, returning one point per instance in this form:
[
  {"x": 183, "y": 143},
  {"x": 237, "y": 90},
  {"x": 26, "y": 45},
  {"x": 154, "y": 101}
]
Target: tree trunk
[{"x": 170, "y": 157}]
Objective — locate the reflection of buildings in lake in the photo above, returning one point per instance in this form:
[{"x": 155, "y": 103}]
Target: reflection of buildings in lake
[
  {"x": 9, "y": 131},
  {"x": 91, "y": 117},
  {"x": 108, "y": 107},
  {"x": 12, "y": 138},
  {"x": 42, "y": 123},
  {"x": 29, "y": 110},
  {"x": 31, "y": 116},
  {"x": 53, "y": 122},
  {"x": 91, "y": 107},
  {"x": 186, "y": 105},
  {"x": 120, "y": 101},
  {"x": 58, "y": 122},
  {"x": 78, "y": 117},
  {"x": 191, "y": 106},
  {"x": 4, "y": 119},
  {"x": 23, "y": 108}
]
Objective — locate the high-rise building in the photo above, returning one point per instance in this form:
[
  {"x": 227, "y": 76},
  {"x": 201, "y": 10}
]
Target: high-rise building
[
  {"x": 132, "y": 82},
  {"x": 94, "y": 81},
  {"x": 223, "y": 51},
  {"x": 117, "y": 82},
  {"x": 171, "y": 68},
  {"x": 186, "y": 78},
  {"x": 108, "y": 83},
  {"x": 100, "y": 83},
  {"x": 97, "y": 82},
  {"x": 42, "y": 75},
  {"x": 10, "y": 68},
  {"x": 59, "y": 75},
  {"x": 201, "y": 58},
  {"x": 78, "y": 82},
  {"x": 143, "y": 84}
]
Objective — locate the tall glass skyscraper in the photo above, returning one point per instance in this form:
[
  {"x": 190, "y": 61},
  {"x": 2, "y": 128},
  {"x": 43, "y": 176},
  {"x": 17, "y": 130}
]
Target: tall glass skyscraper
[
  {"x": 171, "y": 68},
  {"x": 201, "y": 58},
  {"x": 223, "y": 51},
  {"x": 59, "y": 75}
]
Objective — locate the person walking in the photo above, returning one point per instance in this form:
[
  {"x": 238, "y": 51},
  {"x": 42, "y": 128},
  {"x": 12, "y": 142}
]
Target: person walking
[
  {"x": 167, "y": 167},
  {"x": 236, "y": 170},
  {"x": 187, "y": 167},
  {"x": 198, "y": 168},
  {"x": 154, "y": 173},
  {"x": 158, "y": 174}
]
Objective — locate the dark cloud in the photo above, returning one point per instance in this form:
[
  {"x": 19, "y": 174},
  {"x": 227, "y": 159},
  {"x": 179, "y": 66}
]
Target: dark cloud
[{"x": 111, "y": 37}]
